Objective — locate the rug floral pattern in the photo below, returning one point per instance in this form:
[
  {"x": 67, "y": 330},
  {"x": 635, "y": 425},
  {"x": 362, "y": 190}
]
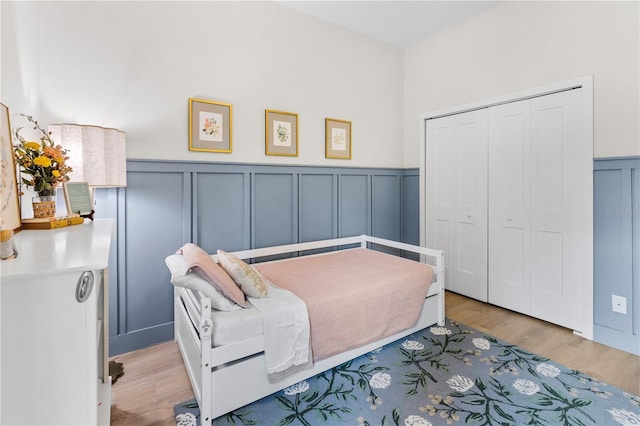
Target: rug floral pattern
[{"x": 440, "y": 376}]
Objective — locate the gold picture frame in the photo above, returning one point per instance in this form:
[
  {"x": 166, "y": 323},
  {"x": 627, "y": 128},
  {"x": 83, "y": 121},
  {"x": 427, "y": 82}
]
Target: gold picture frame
[
  {"x": 210, "y": 126},
  {"x": 281, "y": 133},
  {"x": 9, "y": 197},
  {"x": 337, "y": 139}
]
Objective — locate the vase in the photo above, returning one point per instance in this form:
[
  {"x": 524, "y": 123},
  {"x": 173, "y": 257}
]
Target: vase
[
  {"x": 44, "y": 206},
  {"x": 7, "y": 245}
]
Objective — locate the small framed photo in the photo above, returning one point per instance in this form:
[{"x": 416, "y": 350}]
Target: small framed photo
[
  {"x": 281, "y": 133},
  {"x": 77, "y": 196},
  {"x": 337, "y": 139},
  {"x": 209, "y": 126}
]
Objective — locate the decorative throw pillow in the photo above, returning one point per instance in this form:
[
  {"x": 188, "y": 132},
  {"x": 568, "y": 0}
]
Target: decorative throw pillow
[
  {"x": 204, "y": 265},
  {"x": 250, "y": 281},
  {"x": 181, "y": 277}
]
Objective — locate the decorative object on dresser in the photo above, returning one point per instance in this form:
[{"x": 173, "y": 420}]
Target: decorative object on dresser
[
  {"x": 46, "y": 165},
  {"x": 337, "y": 139},
  {"x": 9, "y": 198},
  {"x": 77, "y": 196},
  {"x": 52, "y": 222},
  {"x": 55, "y": 309},
  {"x": 7, "y": 245},
  {"x": 96, "y": 154},
  {"x": 281, "y": 133},
  {"x": 210, "y": 126}
]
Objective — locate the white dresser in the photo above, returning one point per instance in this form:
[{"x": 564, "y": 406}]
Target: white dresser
[{"x": 54, "y": 337}]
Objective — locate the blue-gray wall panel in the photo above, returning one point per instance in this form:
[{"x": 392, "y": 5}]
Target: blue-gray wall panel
[
  {"x": 233, "y": 206},
  {"x": 386, "y": 206},
  {"x": 274, "y": 199},
  {"x": 612, "y": 246},
  {"x": 353, "y": 205},
  {"x": 617, "y": 252},
  {"x": 317, "y": 207},
  {"x": 410, "y": 209},
  {"x": 153, "y": 209},
  {"x": 220, "y": 210}
]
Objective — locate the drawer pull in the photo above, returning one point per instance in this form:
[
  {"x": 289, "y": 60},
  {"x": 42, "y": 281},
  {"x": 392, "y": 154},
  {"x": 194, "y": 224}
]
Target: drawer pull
[{"x": 84, "y": 287}]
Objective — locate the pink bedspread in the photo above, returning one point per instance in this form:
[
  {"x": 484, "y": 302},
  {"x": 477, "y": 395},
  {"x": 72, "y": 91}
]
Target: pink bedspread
[{"x": 354, "y": 297}]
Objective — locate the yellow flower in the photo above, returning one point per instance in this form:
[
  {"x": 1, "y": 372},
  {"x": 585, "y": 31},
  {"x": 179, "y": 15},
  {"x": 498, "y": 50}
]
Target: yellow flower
[
  {"x": 56, "y": 173},
  {"x": 42, "y": 161},
  {"x": 32, "y": 145}
]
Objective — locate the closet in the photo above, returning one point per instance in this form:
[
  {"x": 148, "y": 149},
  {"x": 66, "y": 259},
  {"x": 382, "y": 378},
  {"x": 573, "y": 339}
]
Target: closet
[{"x": 508, "y": 197}]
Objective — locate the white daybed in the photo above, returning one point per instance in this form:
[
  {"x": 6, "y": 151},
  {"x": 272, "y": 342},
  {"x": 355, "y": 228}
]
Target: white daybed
[{"x": 232, "y": 375}]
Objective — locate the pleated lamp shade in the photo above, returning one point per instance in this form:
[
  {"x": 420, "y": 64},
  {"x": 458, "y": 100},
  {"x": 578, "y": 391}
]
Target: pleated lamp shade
[{"x": 96, "y": 154}]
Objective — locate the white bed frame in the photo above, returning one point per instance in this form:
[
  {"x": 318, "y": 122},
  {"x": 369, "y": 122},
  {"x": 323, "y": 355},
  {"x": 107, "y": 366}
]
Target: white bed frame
[{"x": 228, "y": 377}]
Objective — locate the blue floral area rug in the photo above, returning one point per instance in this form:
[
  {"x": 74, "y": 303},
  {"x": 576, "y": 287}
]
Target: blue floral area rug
[{"x": 440, "y": 376}]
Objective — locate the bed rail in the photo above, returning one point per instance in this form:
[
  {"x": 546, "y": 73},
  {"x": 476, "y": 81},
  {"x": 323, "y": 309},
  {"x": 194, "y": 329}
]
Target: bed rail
[
  {"x": 362, "y": 240},
  {"x": 292, "y": 248}
]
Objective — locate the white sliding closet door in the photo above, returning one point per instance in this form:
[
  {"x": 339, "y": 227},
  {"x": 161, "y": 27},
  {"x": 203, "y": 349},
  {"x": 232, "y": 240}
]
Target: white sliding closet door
[
  {"x": 509, "y": 205},
  {"x": 556, "y": 209},
  {"x": 456, "y": 198},
  {"x": 536, "y": 208}
]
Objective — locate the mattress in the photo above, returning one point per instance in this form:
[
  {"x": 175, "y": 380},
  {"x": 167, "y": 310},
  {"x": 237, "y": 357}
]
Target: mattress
[
  {"x": 238, "y": 325},
  {"x": 375, "y": 293}
]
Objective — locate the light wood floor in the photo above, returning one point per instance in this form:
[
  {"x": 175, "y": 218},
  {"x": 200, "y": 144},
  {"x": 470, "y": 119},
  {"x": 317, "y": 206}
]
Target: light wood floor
[{"x": 155, "y": 378}]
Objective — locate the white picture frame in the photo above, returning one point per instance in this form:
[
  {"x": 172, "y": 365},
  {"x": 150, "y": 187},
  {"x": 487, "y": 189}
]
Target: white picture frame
[{"x": 78, "y": 197}]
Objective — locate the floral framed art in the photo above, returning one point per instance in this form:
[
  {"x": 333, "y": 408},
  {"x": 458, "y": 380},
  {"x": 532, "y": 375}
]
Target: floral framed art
[
  {"x": 281, "y": 133},
  {"x": 337, "y": 139},
  {"x": 10, "y": 218},
  {"x": 210, "y": 126}
]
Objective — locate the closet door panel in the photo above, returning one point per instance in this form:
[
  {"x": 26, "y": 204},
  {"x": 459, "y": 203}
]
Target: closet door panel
[
  {"x": 470, "y": 203},
  {"x": 556, "y": 209},
  {"x": 456, "y": 185},
  {"x": 439, "y": 188},
  {"x": 509, "y": 220}
]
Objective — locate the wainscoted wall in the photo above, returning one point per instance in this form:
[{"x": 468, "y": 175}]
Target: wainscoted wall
[
  {"x": 617, "y": 252},
  {"x": 234, "y": 207}
]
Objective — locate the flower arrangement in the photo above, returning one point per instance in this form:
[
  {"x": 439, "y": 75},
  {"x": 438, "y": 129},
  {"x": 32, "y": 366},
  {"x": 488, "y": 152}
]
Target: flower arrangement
[{"x": 43, "y": 162}]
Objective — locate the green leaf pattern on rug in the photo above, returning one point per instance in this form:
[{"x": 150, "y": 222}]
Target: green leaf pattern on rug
[{"x": 445, "y": 375}]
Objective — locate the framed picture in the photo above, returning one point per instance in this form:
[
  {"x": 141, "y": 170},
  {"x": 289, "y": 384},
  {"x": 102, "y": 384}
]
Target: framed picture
[
  {"x": 281, "y": 133},
  {"x": 10, "y": 218},
  {"x": 77, "y": 196},
  {"x": 337, "y": 139},
  {"x": 209, "y": 126}
]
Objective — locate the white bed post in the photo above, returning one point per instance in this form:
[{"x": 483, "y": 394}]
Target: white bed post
[
  {"x": 441, "y": 293},
  {"x": 206, "y": 326}
]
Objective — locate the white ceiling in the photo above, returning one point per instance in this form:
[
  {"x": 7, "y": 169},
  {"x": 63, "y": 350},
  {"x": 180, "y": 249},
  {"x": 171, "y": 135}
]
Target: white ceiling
[{"x": 397, "y": 22}]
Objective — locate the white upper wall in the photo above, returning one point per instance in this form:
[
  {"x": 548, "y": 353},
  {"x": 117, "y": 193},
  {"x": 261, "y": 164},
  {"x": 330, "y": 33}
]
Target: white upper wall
[
  {"x": 521, "y": 45},
  {"x": 133, "y": 66}
]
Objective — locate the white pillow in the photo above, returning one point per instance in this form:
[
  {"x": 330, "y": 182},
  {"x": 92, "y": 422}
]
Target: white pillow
[
  {"x": 181, "y": 277},
  {"x": 250, "y": 281}
]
